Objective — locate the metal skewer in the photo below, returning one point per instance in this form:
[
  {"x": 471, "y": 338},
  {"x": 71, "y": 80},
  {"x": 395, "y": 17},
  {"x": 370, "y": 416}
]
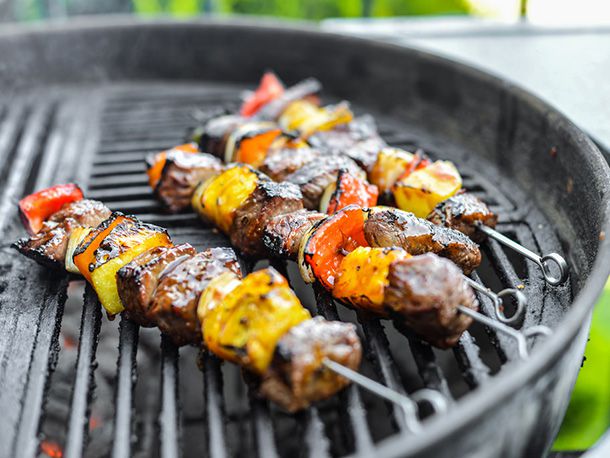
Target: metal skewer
[
  {"x": 520, "y": 300},
  {"x": 519, "y": 336},
  {"x": 409, "y": 406},
  {"x": 542, "y": 261}
]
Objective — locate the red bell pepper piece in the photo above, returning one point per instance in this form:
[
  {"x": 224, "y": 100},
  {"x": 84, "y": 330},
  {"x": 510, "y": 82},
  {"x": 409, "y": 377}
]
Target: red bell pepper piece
[
  {"x": 352, "y": 190},
  {"x": 269, "y": 89},
  {"x": 36, "y": 208}
]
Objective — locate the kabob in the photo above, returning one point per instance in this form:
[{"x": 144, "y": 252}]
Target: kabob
[
  {"x": 414, "y": 183},
  {"x": 255, "y": 321},
  {"x": 263, "y": 217},
  {"x": 273, "y": 220}
]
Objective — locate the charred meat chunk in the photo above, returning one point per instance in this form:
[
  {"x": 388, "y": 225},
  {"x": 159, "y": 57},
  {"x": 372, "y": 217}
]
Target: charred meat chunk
[
  {"x": 49, "y": 245},
  {"x": 463, "y": 212},
  {"x": 424, "y": 293},
  {"x": 387, "y": 227},
  {"x": 283, "y": 234},
  {"x": 358, "y": 140},
  {"x": 138, "y": 280},
  {"x": 282, "y": 162},
  {"x": 268, "y": 200},
  {"x": 174, "y": 306},
  {"x": 297, "y": 376},
  {"x": 215, "y": 133},
  {"x": 180, "y": 176},
  {"x": 314, "y": 177}
]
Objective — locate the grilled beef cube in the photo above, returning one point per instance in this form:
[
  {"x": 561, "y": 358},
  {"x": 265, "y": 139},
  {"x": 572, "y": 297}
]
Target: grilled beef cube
[
  {"x": 268, "y": 200},
  {"x": 281, "y": 163},
  {"x": 174, "y": 306},
  {"x": 424, "y": 292},
  {"x": 283, "y": 234},
  {"x": 358, "y": 140},
  {"x": 48, "y": 246},
  {"x": 181, "y": 175},
  {"x": 215, "y": 133},
  {"x": 387, "y": 227},
  {"x": 463, "y": 212},
  {"x": 314, "y": 177},
  {"x": 297, "y": 377},
  {"x": 138, "y": 280}
]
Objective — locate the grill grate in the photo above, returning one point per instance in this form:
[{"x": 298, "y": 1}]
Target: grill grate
[{"x": 102, "y": 145}]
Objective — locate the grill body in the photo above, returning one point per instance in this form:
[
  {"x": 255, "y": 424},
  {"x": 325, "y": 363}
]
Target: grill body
[{"x": 87, "y": 101}]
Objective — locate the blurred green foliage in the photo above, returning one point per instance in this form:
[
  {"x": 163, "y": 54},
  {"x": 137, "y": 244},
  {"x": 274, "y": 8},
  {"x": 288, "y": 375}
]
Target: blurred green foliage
[
  {"x": 588, "y": 415},
  {"x": 302, "y": 9}
]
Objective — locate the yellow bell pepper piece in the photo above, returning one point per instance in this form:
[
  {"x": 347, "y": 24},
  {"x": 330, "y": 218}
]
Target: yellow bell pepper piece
[
  {"x": 246, "y": 325},
  {"x": 136, "y": 240},
  {"x": 372, "y": 264},
  {"x": 423, "y": 189},
  {"x": 391, "y": 163},
  {"x": 218, "y": 198}
]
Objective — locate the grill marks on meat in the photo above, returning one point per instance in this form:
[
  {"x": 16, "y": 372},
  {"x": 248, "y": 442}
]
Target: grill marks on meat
[
  {"x": 138, "y": 280},
  {"x": 283, "y": 234},
  {"x": 314, "y": 177},
  {"x": 387, "y": 227},
  {"x": 424, "y": 292},
  {"x": 49, "y": 245},
  {"x": 180, "y": 176},
  {"x": 268, "y": 200},
  {"x": 358, "y": 140},
  {"x": 174, "y": 305},
  {"x": 278, "y": 164},
  {"x": 297, "y": 377},
  {"x": 463, "y": 212}
]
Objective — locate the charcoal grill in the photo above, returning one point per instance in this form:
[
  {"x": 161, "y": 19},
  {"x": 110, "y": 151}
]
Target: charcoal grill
[{"x": 86, "y": 101}]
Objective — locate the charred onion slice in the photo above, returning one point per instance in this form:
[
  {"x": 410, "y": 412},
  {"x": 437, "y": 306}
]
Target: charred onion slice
[
  {"x": 250, "y": 142},
  {"x": 120, "y": 246},
  {"x": 36, "y": 208},
  {"x": 347, "y": 190},
  {"x": 326, "y": 244},
  {"x": 306, "y": 117},
  {"x": 157, "y": 162},
  {"x": 246, "y": 325},
  {"x": 76, "y": 237},
  {"x": 422, "y": 190},
  {"x": 269, "y": 89},
  {"x": 363, "y": 277},
  {"x": 218, "y": 198}
]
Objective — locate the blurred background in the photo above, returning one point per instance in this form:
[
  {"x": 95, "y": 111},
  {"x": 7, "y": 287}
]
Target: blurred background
[
  {"x": 556, "y": 12},
  {"x": 569, "y": 23}
]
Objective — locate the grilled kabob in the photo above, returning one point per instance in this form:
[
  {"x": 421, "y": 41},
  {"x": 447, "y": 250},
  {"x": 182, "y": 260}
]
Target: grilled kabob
[
  {"x": 256, "y": 321},
  {"x": 325, "y": 241}
]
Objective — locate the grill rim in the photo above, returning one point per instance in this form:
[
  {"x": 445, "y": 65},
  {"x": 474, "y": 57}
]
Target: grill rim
[{"x": 573, "y": 322}]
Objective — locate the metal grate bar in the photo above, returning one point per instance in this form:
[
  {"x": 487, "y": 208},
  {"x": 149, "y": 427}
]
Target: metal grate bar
[
  {"x": 504, "y": 346},
  {"x": 134, "y": 206},
  {"x": 41, "y": 321},
  {"x": 351, "y": 404},
  {"x": 263, "y": 427},
  {"x": 78, "y": 426},
  {"x": 379, "y": 355},
  {"x": 169, "y": 417},
  {"x": 30, "y": 144},
  {"x": 118, "y": 169},
  {"x": 429, "y": 370},
  {"x": 214, "y": 406},
  {"x": 126, "y": 192},
  {"x": 317, "y": 442},
  {"x": 467, "y": 355},
  {"x": 123, "y": 180},
  {"x": 125, "y": 158},
  {"x": 125, "y": 384},
  {"x": 135, "y": 147}
]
